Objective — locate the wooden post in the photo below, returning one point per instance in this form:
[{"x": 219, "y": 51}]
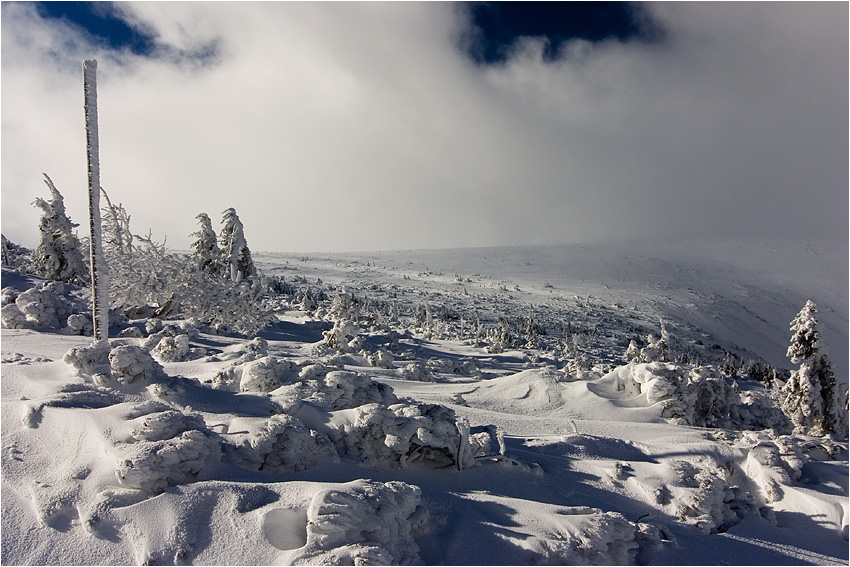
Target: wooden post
[{"x": 99, "y": 269}]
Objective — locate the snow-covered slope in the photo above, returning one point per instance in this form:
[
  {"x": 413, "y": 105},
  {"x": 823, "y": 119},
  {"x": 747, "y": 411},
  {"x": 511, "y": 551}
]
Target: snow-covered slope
[{"x": 414, "y": 442}]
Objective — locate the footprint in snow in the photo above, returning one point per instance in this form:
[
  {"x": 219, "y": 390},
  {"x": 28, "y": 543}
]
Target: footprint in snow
[{"x": 286, "y": 528}]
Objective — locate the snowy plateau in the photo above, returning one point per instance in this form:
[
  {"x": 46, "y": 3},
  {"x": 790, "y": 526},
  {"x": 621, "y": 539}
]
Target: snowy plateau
[{"x": 447, "y": 407}]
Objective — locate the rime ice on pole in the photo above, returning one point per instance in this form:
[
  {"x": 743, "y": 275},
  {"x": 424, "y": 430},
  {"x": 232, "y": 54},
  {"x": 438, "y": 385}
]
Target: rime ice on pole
[{"x": 99, "y": 268}]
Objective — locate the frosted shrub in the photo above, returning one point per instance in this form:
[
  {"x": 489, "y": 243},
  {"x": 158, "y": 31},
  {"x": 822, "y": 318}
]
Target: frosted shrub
[
  {"x": 166, "y": 424},
  {"x": 405, "y": 433},
  {"x": 343, "y": 390},
  {"x": 46, "y": 305},
  {"x": 344, "y": 307},
  {"x": 267, "y": 374},
  {"x": 153, "y": 466},
  {"x": 382, "y": 358},
  {"x": 172, "y": 349},
  {"x": 8, "y": 295},
  {"x": 80, "y": 324},
  {"x": 342, "y": 333},
  {"x": 281, "y": 445},
  {"x": 364, "y": 523},
  {"x": 12, "y": 317},
  {"x": 89, "y": 360},
  {"x": 130, "y": 364},
  {"x": 417, "y": 371}
]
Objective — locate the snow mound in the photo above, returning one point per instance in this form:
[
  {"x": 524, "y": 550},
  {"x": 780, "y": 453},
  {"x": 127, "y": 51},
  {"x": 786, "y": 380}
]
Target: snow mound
[
  {"x": 530, "y": 391},
  {"x": 364, "y": 523}
]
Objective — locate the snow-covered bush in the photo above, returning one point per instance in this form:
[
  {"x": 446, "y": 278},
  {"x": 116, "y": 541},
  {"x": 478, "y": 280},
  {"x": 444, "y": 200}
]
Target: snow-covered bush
[
  {"x": 406, "y": 433},
  {"x": 344, "y": 307},
  {"x": 710, "y": 501},
  {"x": 133, "y": 364},
  {"x": 282, "y": 444},
  {"x": 12, "y": 317},
  {"x": 382, "y": 358},
  {"x": 416, "y": 371},
  {"x": 364, "y": 523},
  {"x": 257, "y": 347},
  {"x": 267, "y": 374},
  {"x": 14, "y": 256},
  {"x": 342, "y": 333},
  {"x": 340, "y": 389},
  {"x": 172, "y": 349},
  {"x": 153, "y": 466},
  {"x": 699, "y": 396},
  {"x": 165, "y": 425},
  {"x": 80, "y": 324},
  {"x": 59, "y": 255},
  {"x": 48, "y": 304},
  {"x": 89, "y": 360}
]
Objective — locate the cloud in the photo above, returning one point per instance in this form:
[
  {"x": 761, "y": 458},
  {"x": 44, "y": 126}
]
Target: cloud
[{"x": 345, "y": 126}]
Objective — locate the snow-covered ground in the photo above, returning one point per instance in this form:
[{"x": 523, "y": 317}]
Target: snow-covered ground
[{"x": 403, "y": 411}]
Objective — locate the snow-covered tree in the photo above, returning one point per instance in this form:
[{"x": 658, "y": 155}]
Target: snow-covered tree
[
  {"x": 814, "y": 400},
  {"x": 59, "y": 255},
  {"x": 205, "y": 246},
  {"x": 234, "y": 248}
]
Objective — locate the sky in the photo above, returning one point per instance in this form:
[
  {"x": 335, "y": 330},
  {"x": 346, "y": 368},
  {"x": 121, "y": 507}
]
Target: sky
[{"x": 390, "y": 126}]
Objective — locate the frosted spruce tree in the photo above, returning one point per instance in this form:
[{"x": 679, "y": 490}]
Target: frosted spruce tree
[
  {"x": 814, "y": 400},
  {"x": 234, "y": 249},
  {"x": 59, "y": 255},
  {"x": 205, "y": 246}
]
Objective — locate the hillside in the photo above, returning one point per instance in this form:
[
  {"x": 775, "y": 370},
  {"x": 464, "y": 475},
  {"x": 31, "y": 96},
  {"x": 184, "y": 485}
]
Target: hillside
[{"x": 468, "y": 406}]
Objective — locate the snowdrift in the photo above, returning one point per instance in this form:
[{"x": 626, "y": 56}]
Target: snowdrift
[{"x": 368, "y": 427}]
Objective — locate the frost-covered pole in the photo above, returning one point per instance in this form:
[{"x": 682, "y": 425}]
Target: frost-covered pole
[{"x": 99, "y": 269}]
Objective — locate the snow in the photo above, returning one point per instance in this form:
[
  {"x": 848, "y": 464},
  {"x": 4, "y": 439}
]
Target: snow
[{"x": 344, "y": 435}]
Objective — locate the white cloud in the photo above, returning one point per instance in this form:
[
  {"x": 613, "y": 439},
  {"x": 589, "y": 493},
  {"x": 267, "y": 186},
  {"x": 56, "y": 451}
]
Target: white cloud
[{"x": 343, "y": 126}]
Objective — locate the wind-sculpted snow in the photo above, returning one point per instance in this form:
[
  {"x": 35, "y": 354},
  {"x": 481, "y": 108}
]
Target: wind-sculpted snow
[{"x": 444, "y": 417}]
